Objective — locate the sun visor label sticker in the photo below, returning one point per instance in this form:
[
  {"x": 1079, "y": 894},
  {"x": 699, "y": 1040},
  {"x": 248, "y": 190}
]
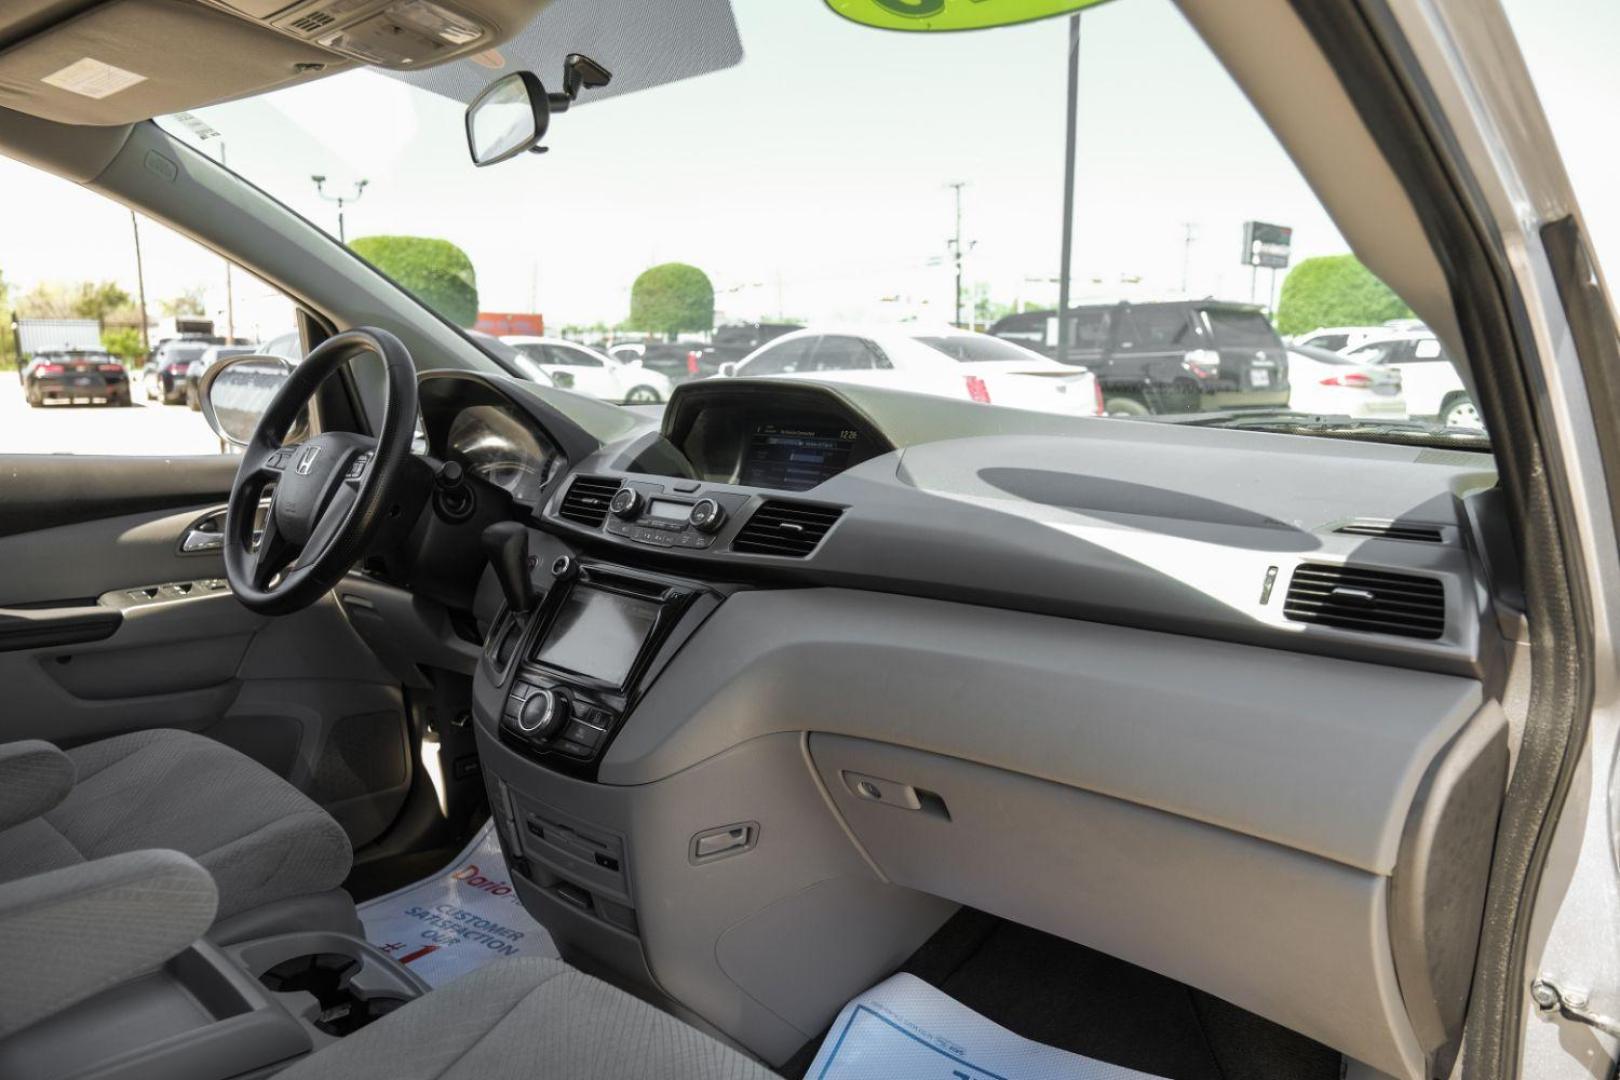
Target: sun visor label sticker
[{"x": 92, "y": 79}]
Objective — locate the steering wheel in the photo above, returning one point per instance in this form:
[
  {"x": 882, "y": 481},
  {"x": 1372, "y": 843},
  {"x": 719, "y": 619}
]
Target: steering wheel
[{"x": 330, "y": 492}]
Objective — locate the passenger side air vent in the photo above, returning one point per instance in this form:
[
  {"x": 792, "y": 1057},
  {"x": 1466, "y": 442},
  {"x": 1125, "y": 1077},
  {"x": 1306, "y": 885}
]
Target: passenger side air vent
[
  {"x": 1391, "y": 530},
  {"x": 1376, "y": 601},
  {"x": 587, "y": 500},
  {"x": 791, "y": 530}
]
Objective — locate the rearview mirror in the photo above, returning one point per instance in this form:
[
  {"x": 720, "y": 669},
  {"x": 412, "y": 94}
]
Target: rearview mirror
[
  {"x": 514, "y": 111},
  {"x": 235, "y": 393}
]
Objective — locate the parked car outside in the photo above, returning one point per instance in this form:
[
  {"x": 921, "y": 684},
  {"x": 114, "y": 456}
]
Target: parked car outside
[
  {"x": 1339, "y": 338},
  {"x": 1429, "y": 379},
  {"x": 1166, "y": 357},
  {"x": 1330, "y": 383},
  {"x": 942, "y": 361},
  {"x": 731, "y": 343},
  {"x": 165, "y": 375},
  {"x": 577, "y": 367},
  {"x": 211, "y": 356},
  {"x": 75, "y": 374}
]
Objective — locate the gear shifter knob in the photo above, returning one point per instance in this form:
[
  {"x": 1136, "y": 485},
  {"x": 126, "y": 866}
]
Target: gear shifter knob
[{"x": 507, "y": 544}]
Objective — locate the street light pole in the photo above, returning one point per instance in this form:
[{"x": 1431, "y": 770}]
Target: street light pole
[
  {"x": 956, "y": 245},
  {"x": 359, "y": 189},
  {"x": 140, "y": 282},
  {"x": 1071, "y": 116}
]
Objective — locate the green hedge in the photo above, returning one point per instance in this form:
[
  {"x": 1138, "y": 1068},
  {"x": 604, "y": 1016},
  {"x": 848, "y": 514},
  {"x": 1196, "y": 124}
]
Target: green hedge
[
  {"x": 670, "y": 298},
  {"x": 1335, "y": 290},
  {"x": 436, "y": 272}
]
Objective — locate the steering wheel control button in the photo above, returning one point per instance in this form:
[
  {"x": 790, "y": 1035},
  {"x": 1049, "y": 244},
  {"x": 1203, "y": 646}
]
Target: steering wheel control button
[
  {"x": 278, "y": 460},
  {"x": 706, "y": 516},
  {"x": 357, "y": 467},
  {"x": 626, "y": 503}
]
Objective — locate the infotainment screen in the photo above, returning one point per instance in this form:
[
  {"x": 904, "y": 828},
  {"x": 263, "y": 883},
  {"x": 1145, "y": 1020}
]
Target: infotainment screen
[
  {"x": 598, "y": 634},
  {"x": 792, "y": 458}
]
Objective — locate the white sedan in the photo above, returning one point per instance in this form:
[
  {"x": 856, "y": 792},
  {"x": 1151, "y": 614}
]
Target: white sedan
[
  {"x": 1326, "y": 382},
  {"x": 1429, "y": 379},
  {"x": 943, "y": 361},
  {"x": 573, "y": 366}
]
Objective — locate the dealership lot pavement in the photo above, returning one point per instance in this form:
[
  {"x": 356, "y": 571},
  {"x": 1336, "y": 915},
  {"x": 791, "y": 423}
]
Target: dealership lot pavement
[{"x": 143, "y": 428}]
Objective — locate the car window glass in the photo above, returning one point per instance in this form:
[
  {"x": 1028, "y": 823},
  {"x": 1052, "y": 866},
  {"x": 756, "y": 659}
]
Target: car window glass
[
  {"x": 84, "y": 367},
  {"x": 783, "y": 359},
  {"x": 1427, "y": 349},
  {"x": 837, "y": 352},
  {"x": 1161, "y": 328},
  {"x": 1241, "y": 329},
  {"x": 576, "y": 357}
]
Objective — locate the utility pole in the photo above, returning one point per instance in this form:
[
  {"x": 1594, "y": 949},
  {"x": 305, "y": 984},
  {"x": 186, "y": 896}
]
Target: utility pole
[
  {"x": 140, "y": 282},
  {"x": 955, "y": 244},
  {"x": 1189, "y": 234},
  {"x": 1071, "y": 116},
  {"x": 230, "y": 293},
  {"x": 359, "y": 190}
]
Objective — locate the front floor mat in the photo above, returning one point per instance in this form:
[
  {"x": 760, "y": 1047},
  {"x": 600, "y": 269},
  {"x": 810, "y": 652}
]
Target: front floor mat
[
  {"x": 457, "y": 920},
  {"x": 905, "y": 1029}
]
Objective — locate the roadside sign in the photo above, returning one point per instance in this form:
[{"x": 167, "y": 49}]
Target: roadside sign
[{"x": 1266, "y": 245}]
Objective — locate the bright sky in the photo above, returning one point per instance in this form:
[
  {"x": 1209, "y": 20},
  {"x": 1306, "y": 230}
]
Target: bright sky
[{"x": 810, "y": 180}]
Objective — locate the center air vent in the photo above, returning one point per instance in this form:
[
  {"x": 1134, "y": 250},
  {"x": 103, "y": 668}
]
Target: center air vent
[
  {"x": 587, "y": 500},
  {"x": 1357, "y": 598},
  {"x": 1391, "y": 530},
  {"x": 791, "y": 530}
]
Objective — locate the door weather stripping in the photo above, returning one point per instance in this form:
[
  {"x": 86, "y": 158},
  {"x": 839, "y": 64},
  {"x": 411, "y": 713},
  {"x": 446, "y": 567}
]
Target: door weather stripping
[{"x": 1572, "y": 1004}]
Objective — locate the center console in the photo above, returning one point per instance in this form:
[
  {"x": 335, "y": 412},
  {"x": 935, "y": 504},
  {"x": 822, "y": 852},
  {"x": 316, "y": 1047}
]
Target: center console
[{"x": 569, "y": 671}]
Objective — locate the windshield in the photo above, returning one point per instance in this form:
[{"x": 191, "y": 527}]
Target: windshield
[{"x": 706, "y": 216}]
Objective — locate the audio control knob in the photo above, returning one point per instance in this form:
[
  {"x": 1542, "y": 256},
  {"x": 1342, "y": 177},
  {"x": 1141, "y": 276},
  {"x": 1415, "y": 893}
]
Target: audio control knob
[
  {"x": 706, "y": 516},
  {"x": 543, "y": 714},
  {"x": 626, "y": 503}
]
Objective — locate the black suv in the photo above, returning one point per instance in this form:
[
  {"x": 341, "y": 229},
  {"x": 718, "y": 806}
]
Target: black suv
[{"x": 1173, "y": 357}]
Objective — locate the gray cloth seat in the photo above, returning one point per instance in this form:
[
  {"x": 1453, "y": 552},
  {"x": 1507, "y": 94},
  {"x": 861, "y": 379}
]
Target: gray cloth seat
[
  {"x": 528, "y": 1020},
  {"x": 260, "y": 838}
]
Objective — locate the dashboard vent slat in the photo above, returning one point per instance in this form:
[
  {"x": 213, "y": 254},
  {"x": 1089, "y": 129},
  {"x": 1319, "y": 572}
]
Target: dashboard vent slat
[
  {"x": 587, "y": 500},
  {"x": 789, "y": 530},
  {"x": 1373, "y": 601},
  {"x": 1392, "y": 530}
]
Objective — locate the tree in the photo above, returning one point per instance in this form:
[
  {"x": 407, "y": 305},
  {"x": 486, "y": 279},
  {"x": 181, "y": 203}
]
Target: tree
[
  {"x": 436, "y": 272},
  {"x": 672, "y": 297},
  {"x": 79, "y": 300},
  {"x": 187, "y": 303},
  {"x": 1335, "y": 290},
  {"x": 6, "y": 357},
  {"x": 123, "y": 343}
]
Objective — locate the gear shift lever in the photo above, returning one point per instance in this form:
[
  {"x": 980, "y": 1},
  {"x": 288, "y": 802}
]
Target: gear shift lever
[{"x": 507, "y": 544}]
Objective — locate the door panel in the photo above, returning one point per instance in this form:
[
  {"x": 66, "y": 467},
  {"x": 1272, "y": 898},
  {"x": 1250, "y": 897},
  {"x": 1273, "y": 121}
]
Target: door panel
[{"x": 107, "y": 626}]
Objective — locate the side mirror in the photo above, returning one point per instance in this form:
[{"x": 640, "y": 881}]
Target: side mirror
[
  {"x": 236, "y": 391},
  {"x": 728, "y": 369},
  {"x": 514, "y": 111}
]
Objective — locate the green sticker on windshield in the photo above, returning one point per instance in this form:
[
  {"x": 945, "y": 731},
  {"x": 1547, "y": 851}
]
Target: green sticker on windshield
[{"x": 952, "y": 14}]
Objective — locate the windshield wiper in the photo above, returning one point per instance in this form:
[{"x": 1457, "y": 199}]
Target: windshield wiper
[{"x": 1402, "y": 432}]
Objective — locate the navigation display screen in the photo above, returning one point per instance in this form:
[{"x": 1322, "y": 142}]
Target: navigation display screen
[
  {"x": 792, "y": 458},
  {"x": 598, "y": 634}
]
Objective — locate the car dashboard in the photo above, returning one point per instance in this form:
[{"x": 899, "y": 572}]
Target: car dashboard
[{"x": 802, "y": 655}]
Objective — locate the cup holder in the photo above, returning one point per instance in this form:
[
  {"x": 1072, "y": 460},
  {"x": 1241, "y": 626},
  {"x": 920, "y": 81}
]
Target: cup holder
[{"x": 327, "y": 976}]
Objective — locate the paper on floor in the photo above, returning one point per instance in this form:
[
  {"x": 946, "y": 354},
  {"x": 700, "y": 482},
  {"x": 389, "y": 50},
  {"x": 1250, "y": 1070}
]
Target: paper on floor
[
  {"x": 904, "y": 1029},
  {"x": 465, "y": 916}
]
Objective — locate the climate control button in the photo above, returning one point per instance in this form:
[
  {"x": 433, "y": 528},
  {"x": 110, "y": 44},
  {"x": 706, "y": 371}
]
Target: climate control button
[
  {"x": 706, "y": 516},
  {"x": 626, "y": 503}
]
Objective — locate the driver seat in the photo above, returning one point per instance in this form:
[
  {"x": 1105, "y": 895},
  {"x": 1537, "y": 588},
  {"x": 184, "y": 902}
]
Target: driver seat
[{"x": 277, "y": 859}]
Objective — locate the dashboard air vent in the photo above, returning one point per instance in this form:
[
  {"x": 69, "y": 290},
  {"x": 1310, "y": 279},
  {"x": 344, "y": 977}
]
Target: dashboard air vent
[
  {"x": 1391, "y": 530},
  {"x": 791, "y": 530},
  {"x": 587, "y": 500},
  {"x": 1358, "y": 598}
]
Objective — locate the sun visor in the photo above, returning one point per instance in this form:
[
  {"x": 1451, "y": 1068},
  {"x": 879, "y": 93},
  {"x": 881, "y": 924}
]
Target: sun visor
[
  {"x": 643, "y": 45},
  {"x": 128, "y": 60}
]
